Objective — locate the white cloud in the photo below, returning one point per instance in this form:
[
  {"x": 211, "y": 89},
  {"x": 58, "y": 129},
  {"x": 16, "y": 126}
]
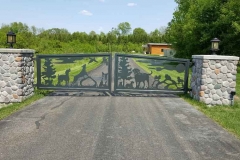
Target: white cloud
[
  {"x": 86, "y": 13},
  {"x": 131, "y": 4},
  {"x": 102, "y": 0}
]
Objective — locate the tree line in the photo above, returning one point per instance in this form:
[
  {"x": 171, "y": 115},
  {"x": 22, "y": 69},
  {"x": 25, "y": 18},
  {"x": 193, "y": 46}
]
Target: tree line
[
  {"x": 57, "y": 40},
  {"x": 195, "y": 23}
]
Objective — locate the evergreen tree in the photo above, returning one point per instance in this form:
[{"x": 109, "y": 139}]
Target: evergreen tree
[
  {"x": 124, "y": 72},
  {"x": 49, "y": 72}
]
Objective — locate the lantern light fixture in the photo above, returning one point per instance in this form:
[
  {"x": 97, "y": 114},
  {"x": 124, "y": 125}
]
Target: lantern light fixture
[
  {"x": 215, "y": 45},
  {"x": 11, "y": 38}
]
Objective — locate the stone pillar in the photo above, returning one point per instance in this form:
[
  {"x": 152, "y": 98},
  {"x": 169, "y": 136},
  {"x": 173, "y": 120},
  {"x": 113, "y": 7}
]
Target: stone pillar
[
  {"x": 213, "y": 78},
  {"x": 16, "y": 74}
]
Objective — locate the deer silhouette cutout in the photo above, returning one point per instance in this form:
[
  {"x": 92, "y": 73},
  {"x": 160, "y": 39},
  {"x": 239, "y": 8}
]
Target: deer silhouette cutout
[{"x": 62, "y": 78}]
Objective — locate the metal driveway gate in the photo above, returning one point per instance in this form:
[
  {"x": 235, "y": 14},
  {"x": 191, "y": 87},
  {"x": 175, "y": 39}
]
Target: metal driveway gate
[
  {"x": 74, "y": 72},
  {"x": 133, "y": 73},
  {"x": 139, "y": 73}
]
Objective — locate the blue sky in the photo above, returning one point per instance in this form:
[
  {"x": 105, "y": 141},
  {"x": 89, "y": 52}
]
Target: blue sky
[{"x": 88, "y": 15}]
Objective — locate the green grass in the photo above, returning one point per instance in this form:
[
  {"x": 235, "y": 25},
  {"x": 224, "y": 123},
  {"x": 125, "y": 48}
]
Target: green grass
[{"x": 12, "y": 108}]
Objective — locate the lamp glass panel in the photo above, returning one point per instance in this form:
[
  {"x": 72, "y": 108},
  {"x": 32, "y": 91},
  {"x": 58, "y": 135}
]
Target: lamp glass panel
[
  {"x": 215, "y": 45},
  {"x": 14, "y": 39},
  {"x": 10, "y": 39}
]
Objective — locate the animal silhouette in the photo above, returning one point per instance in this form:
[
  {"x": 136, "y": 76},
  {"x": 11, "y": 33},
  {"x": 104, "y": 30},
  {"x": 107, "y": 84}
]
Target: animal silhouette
[
  {"x": 81, "y": 75},
  {"x": 156, "y": 82},
  {"x": 65, "y": 77},
  {"x": 104, "y": 80},
  {"x": 129, "y": 85},
  {"x": 169, "y": 79},
  {"x": 141, "y": 77},
  {"x": 180, "y": 81},
  {"x": 120, "y": 85}
]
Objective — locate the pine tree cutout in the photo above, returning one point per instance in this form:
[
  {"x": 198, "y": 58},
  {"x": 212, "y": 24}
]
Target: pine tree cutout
[
  {"x": 124, "y": 72},
  {"x": 49, "y": 72}
]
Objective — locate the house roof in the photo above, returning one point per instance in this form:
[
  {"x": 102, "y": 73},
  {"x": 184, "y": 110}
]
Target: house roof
[
  {"x": 159, "y": 44},
  {"x": 156, "y": 44}
]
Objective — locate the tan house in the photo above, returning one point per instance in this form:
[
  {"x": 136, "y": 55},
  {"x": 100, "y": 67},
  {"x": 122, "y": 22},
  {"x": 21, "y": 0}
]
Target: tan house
[{"x": 156, "y": 48}]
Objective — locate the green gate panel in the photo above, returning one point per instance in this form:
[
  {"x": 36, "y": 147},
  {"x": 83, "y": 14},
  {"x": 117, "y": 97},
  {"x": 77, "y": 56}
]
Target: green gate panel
[{"x": 74, "y": 72}]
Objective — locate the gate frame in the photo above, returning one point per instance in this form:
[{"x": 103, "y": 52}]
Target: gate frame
[
  {"x": 186, "y": 74},
  {"x": 41, "y": 56}
]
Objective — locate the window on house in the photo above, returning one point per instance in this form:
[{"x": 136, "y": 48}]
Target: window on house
[{"x": 162, "y": 50}]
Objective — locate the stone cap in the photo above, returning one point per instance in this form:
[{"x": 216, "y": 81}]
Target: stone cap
[
  {"x": 11, "y": 50},
  {"x": 215, "y": 57}
]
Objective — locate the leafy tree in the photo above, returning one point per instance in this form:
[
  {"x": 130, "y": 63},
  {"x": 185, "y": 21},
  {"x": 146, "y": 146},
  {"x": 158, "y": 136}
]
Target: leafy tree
[
  {"x": 140, "y": 35},
  {"x": 196, "y": 22},
  {"x": 124, "y": 28}
]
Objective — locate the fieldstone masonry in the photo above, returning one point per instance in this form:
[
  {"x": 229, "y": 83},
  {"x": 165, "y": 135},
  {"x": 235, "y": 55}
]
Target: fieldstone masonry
[
  {"x": 16, "y": 75},
  {"x": 213, "y": 78}
]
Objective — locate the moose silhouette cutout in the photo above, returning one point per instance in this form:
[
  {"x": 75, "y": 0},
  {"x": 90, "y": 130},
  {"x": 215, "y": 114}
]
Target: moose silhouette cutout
[{"x": 65, "y": 77}]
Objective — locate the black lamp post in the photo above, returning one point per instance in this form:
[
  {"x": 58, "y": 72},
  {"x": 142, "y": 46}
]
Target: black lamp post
[
  {"x": 11, "y": 38},
  {"x": 215, "y": 46}
]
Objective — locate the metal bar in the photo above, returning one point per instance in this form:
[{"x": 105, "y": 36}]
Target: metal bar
[
  {"x": 186, "y": 76},
  {"x": 38, "y": 60},
  {"x": 75, "y": 89},
  {"x": 110, "y": 72},
  {"x": 116, "y": 73},
  {"x": 73, "y": 55},
  {"x": 150, "y": 91}
]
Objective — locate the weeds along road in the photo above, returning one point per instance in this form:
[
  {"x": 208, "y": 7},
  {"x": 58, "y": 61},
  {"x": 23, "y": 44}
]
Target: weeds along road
[{"x": 95, "y": 126}]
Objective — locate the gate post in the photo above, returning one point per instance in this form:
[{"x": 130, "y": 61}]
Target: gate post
[
  {"x": 213, "y": 79},
  {"x": 16, "y": 74}
]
